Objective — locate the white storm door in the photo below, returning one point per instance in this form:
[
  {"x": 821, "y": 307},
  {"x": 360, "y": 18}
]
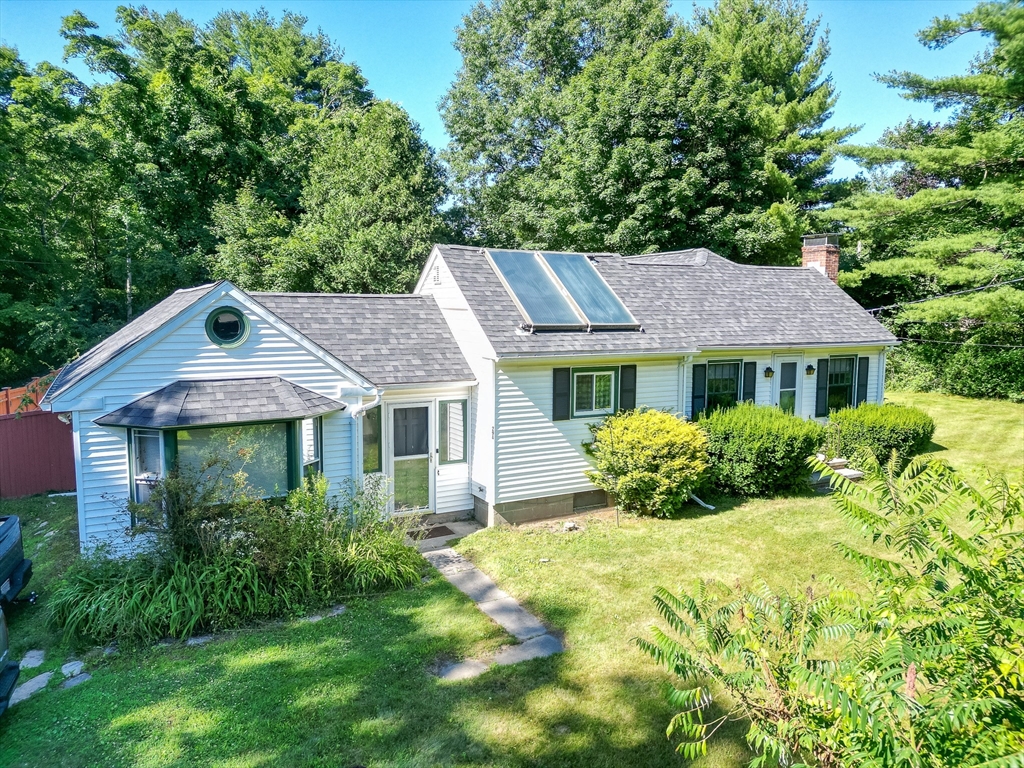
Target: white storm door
[
  {"x": 787, "y": 383},
  {"x": 411, "y": 460}
]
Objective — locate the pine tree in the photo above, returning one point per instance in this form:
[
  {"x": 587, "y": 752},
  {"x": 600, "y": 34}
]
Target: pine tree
[{"x": 944, "y": 212}]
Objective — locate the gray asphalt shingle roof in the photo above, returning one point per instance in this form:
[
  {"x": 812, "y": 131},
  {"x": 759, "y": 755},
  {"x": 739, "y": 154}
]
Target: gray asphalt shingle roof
[
  {"x": 126, "y": 337},
  {"x": 685, "y": 300},
  {"x": 389, "y": 339},
  {"x": 221, "y": 401}
]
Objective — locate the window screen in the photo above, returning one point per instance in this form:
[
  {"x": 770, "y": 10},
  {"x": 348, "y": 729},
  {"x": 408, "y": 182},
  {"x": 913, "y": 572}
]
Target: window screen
[
  {"x": 147, "y": 462},
  {"x": 593, "y": 392},
  {"x": 412, "y": 431},
  {"x": 723, "y": 385},
  {"x": 312, "y": 446},
  {"x": 840, "y": 382},
  {"x": 371, "y": 441},
  {"x": 452, "y": 416},
  {"x": 787, "y": 387}
]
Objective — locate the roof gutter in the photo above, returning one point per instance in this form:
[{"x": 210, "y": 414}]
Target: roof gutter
[{"x": 362, "y": 408}]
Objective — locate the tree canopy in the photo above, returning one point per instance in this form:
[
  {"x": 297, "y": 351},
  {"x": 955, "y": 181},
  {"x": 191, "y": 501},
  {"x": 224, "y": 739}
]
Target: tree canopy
[
  {"x": 613, "y": 126},
  {"x": 943, "y": 212},
  {"x": 197, "y": 152}
]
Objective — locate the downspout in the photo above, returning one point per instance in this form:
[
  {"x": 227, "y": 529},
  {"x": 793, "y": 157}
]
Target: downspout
[{"x": 359, "y": 410}]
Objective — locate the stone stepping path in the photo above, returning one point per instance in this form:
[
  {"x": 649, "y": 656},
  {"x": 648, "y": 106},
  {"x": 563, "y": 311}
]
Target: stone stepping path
[
  {"x": 499, "y": 606},
  {"x": 72, "y": 672}
]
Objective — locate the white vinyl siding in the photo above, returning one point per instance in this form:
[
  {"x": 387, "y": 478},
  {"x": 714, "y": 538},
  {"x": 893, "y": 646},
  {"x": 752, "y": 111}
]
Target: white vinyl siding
[
  {"x": 187, "y": 353},
  {"x": 538, "y": 457},
  {"x": 439, "y": 282}
]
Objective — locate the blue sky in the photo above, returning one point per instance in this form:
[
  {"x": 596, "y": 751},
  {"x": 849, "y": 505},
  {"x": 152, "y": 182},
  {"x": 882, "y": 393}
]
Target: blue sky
[{"x": 405, "y": 47}]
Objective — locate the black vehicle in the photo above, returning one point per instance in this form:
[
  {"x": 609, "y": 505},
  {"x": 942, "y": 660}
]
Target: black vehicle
[
  {"x": 9, "y": 670},
  {"x": 15, "y": 570}
]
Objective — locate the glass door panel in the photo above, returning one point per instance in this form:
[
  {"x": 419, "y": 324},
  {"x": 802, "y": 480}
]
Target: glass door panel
[
  {"x": 787, "y": 387},
  {"x": 411, "y": 457}
]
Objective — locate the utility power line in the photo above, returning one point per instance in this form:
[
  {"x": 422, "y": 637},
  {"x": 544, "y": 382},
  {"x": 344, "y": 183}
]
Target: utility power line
[{"x": 947, "y": 295}]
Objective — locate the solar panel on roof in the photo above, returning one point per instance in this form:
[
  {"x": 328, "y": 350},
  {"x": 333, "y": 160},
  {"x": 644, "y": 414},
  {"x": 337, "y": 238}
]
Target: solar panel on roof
[
  {"x": 539, "y": 297},
  {"x": 588, "y": 289}
]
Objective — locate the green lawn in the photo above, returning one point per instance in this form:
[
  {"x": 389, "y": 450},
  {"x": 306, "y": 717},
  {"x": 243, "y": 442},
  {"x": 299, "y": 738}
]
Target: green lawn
[{"x": 358, "y": 689}]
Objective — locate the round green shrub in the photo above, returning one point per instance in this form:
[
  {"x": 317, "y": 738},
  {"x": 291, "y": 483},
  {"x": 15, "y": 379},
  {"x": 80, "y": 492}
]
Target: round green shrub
[
  {"x": 651, "y": 461},
  {"x": 880, "y": 429},
  {"x": 757, "y": 450}
]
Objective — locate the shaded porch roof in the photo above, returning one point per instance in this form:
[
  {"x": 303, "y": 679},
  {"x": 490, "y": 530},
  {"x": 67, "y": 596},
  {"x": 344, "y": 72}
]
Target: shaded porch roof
[{"x": 204, "y": 403}]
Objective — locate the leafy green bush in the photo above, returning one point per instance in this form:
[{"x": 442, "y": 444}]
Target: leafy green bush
[
  {"x": 879, "y": 430},
  {"x": 756, "y": 450},
  {"x": 218, "y": 565},
  {"x": 651, "y": 461},
  {"x": 925, "y": 668}
]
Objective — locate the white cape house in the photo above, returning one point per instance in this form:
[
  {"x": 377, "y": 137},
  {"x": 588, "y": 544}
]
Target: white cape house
[{"x": 472, "y": 395}]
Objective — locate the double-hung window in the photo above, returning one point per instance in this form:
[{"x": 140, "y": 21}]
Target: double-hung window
[
  {"x": 593, "y": 391},
  {"x": 312, "y": 446},
  {"x": 723, "y": 385},
  {"x": 840, "y": 382},
  {"x": 147, "y": 462}
]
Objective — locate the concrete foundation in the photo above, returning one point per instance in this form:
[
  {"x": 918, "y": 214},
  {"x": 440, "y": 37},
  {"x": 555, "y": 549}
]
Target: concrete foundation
[{"x": 543, "y": 508}]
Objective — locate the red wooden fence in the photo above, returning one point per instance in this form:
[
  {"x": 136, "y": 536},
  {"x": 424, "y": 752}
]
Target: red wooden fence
[
  {"x": 37, "y": 455},
  {"x": 22, "y": 399}
]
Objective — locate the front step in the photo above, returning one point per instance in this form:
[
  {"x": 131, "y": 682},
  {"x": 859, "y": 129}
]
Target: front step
[{"x": 850, "y": 474}]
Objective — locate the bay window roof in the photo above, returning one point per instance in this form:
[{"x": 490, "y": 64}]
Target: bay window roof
[{"x": 221, "y": 401}]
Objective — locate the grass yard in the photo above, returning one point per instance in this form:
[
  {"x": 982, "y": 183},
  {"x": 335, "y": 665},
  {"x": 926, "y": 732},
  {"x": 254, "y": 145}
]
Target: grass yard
[{"x": 358, "y": 689}]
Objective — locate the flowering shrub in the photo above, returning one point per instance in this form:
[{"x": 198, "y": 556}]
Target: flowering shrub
[{"x": 650, "y": 460}]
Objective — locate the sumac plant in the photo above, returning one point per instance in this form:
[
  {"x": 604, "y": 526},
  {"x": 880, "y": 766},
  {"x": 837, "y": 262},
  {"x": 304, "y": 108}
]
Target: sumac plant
[{"x": 924, "y": 669}]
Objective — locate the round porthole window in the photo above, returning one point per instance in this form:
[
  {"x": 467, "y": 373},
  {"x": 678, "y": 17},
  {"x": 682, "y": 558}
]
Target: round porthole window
[{"x": 227, "y": 327}]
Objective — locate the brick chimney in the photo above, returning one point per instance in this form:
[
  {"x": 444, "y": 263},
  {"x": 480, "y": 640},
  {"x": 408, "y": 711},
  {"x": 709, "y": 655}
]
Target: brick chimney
[{"x": 822, "y": 253}]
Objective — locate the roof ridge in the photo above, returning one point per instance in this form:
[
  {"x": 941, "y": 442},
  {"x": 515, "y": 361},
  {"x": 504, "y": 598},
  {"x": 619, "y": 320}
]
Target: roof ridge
[{"x": 303, "y": 294}]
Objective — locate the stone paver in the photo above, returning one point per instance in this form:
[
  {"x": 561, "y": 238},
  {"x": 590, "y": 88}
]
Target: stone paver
[
  {"x": 536, "y": 648},
  {"x": 29, "y": 687},
  {"x": 337, "y": 610},
  {"x": 312, "y": 619},
  {"x": 515, "y": 619},
  {"x": 504, "y": 610},
  {"x": 476, "y": 585},
  {"x": 72, "y": 668},
  {"x": 464, "y": 670},
  {"x": 199, "y": 640},
  {"x": 33, "y": 659},
  {"x": 71, "y": 682},
  {"x": 447, "y": 561}
]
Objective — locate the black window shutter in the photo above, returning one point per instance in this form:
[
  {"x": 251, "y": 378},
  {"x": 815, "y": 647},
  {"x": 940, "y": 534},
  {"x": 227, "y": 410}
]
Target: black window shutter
[
  {"x": 700, "y": 390},
  {"x": 627, "y": 387},
  {"x": 560, "y": 400},
  {"x": 749, "y": 382},
  {"x": 862, "y": 381},
  {"x": 821, "y": 400}
]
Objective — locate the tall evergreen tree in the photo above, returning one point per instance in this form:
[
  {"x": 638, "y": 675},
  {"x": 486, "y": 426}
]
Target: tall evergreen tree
[{"x": 944, "y": 212}]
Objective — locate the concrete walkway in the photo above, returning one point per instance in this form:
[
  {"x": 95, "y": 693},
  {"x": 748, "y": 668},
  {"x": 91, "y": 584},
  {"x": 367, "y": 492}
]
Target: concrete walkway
[{"x": 503, "y": 609}]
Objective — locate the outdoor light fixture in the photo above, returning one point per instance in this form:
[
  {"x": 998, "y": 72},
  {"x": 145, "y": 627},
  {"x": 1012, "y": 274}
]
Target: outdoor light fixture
[
  {"x": 768, "y": 372},
  {"x": 810, "y": 370}
]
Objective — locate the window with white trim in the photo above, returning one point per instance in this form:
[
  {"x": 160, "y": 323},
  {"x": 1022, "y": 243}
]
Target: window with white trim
[
  {"x": 312, "y": 446},
  {"x": 593, "y": 391}
]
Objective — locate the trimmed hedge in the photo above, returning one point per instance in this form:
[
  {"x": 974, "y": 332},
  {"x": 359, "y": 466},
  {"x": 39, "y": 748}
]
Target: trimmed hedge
[
  {"x": 757, "y": 450},
  {"x": 880, "y": 429},
  {"x": 650, "y": 460}
]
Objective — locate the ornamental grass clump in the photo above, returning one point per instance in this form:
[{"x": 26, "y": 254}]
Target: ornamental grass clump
[
  {"x": 880, "y": 430},
  {"x": 225, "y": 557},
  {"x": 650, "y": 461},
  {"x": 758, "y": 450}
]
